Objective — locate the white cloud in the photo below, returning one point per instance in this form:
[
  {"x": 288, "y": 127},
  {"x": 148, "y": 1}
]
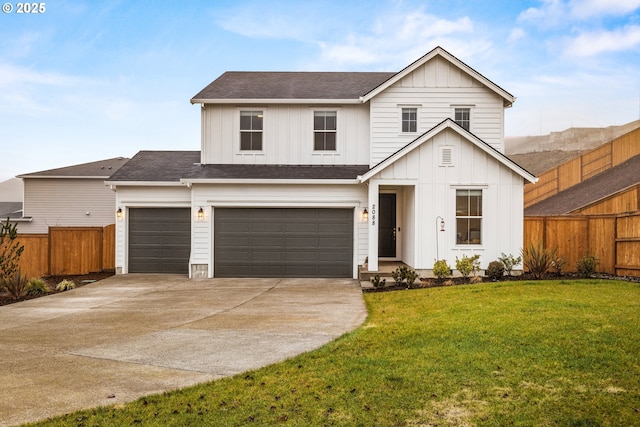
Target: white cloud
[
  {"x": 398, "y": 39},
  {"x": 596, "y": 42},
  {"x": 516, "y": 34},
  {"x": 583, "y": 9},
  {"x": 550, "y": 13}
]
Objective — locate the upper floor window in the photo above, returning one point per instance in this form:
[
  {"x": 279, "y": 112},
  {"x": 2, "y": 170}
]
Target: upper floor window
[
  {"x": 251, "y": 130},
  {"x": 463, "y": 117},
  {"x": 409, "y": 120},
  {"x": 469, "y": 217},
  {"x": 324, "y": 130}
]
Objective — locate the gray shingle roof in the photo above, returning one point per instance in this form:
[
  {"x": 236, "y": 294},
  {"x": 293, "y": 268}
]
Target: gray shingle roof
[
  {"x": 163, "y": 166},
  {"x": 171, "y": 166},
  {"x": 291, "y": 85},
  {"x": 279, "y": 172},
  {"x": 596, "y": 188},
  {"x": 99, "y": 169},
  {"x": 10, "y": 209}
]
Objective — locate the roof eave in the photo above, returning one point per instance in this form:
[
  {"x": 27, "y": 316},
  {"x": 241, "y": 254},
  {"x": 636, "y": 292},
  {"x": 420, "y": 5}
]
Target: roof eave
[
  {"x": 64, "y": 176},
  {"x": 145, "y": 183},
  {"x": 190, "y": 181},
  {"x": 321, "y": 101}
]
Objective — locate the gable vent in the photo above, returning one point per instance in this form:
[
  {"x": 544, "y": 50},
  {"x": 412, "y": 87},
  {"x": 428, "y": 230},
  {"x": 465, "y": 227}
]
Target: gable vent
[{"x": 446, "y": 156}]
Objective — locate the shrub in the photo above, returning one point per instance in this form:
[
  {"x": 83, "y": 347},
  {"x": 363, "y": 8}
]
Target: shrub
[
  {"x": 65, "y": 285},
  {"x": 377, "y": 283},
  {"x": 37, "y": 286},
  {"x": 495, "y": 270},
  {"x": 441, "y": 269},
  {"x": 10, "y": 250},
  {"x": 509, "y": 261},
  {"x": 403, "y": 273},
  {"x": 468, "y": 265},
  {"x": 586, "y": 265},
  {"x": 15, "y": 285},
  {"x": 538, "y": 259}
]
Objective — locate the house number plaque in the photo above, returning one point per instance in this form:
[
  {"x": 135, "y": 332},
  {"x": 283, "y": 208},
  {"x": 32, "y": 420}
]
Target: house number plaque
[{"x": 373, "y": 214}]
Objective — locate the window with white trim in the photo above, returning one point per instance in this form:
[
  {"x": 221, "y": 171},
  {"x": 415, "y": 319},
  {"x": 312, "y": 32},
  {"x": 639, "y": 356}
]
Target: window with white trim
[
  {"x": 324, "y": 130},
  {"x": 409, "y": 120},
  {"x": 251, "y": 127},
  {"x": 469, "y": 217},
  {"x": 462, "y": 116}
]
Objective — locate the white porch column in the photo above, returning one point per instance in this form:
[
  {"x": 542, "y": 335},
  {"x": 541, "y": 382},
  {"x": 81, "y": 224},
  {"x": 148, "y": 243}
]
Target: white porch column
[{"x": 373, "y": 225}]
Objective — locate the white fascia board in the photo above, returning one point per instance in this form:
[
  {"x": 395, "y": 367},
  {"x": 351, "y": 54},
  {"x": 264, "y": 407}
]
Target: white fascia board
[
  {"x": 272, "y": 181},
  {"x": 145, "y": 183},
  {"x": 260, "y": 101},
  {"x": 62, "y": 177},
  {"x": 268, "y": 203}
]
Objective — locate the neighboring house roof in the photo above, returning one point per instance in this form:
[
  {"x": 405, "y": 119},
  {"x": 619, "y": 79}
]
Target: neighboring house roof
[
  {"x": 596, "y": 188},
  {"x": 449, "y": 124},
  {"x": 10, "y": 210},
  {"x": 177, "y": 166},
  {"x": 304, "y": 86},
  {"x": 101, "y": 169},
  {"x": 438, "y": 51}
]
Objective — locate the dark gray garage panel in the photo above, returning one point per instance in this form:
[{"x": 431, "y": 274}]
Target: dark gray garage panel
[
  {"x": 274, "y": 242},
  {"x": 159, "y": 240}
]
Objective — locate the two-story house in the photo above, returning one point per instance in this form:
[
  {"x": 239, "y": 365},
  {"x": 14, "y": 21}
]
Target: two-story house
[{"x": 311, "y": 174}]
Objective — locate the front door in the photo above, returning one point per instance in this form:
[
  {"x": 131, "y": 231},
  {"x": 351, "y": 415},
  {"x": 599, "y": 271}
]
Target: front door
[{"x": 387, "y": 226}]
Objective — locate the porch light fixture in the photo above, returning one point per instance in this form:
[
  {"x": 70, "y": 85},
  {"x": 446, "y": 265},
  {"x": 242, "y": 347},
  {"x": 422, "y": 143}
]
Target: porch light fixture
[
  {"x": 365, "y": 215},
  {"x": 441, "y": 229},
  {"x": 200, "y": 214},
  {"x": 119, "y": 214}
]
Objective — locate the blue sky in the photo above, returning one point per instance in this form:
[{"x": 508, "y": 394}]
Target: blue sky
[{"x": 89, "y": 80}]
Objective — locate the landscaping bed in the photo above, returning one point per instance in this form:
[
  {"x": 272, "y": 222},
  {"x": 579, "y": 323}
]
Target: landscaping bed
[{"x": 52, "y": 281}]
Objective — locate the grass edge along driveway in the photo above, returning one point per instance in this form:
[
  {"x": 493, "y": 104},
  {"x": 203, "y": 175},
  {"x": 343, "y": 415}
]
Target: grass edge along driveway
[{"x": 509, "y": 353}]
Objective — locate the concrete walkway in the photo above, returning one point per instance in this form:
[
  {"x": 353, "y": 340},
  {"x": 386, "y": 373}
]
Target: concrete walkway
[{"x": 129, "y": 336}]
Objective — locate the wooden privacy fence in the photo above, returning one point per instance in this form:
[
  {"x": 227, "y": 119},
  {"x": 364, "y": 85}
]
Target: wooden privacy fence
[
  {"x": 613, "y": 239},
  {"x": 68, "y": 251},
  {"x": 582, "y": 168}
]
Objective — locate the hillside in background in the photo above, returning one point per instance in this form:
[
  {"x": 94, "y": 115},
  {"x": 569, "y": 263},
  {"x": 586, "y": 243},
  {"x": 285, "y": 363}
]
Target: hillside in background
[{"x": 538, "y": 154}]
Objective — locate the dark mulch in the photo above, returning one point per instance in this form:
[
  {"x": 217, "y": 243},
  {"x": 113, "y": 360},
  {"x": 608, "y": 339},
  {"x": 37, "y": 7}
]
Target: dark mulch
[{"x": 52, "y": 281}]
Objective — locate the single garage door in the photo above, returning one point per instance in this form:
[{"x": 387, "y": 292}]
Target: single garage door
[
  {"x": 159, "y": 240},
  {"x": 283, "y": 242}
]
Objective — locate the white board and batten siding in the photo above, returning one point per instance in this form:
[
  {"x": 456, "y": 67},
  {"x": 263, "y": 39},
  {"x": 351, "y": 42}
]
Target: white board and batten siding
[
  {"x": 211, "y": 197},
  {"x": 435, "y": 196},
  {"x": 66, "y": 202},
  {"x": 435, "y": 89},
  {"x": 287, "y": 135}
]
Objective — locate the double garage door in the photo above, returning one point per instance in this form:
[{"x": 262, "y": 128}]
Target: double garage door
[
  {"x": 283, "y": 242},
  {"x": 269, "y": 242}
]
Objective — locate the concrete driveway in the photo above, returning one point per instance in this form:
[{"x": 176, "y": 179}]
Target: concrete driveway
[{"x": 129, "y": 336}]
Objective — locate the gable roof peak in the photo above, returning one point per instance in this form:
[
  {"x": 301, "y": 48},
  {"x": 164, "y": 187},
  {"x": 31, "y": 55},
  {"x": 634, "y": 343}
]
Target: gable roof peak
[{"x": 439, "y": 51}]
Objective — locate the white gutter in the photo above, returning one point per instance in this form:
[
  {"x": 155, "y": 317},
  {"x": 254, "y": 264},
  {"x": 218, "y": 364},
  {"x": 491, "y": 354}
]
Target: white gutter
[
  {"x": 246, "y": 101},
  {"x": 270, "y": 181}
]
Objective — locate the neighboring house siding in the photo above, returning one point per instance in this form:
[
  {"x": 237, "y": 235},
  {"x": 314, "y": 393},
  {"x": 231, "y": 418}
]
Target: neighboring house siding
[
  {"x": 288, "y": 135},
  {"x": 143, "y": 197},
  {"x": 265, "y": 196},
  {"x": 435, "y": 89},
  {"x": 435, "y": 190},
  {"x": 54, "y": 202}
]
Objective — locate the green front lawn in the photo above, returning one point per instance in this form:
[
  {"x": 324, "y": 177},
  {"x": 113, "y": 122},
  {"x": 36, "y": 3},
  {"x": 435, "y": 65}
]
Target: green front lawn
[{"x": 550, "y": 353}]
